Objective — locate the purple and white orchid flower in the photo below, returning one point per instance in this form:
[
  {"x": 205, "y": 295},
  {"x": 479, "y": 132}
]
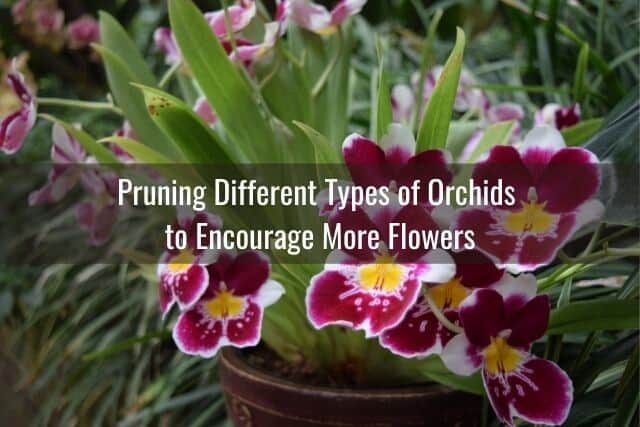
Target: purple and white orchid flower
[
  {"x": 317, "y": 18},
  {"x": 230, "y": 310},
  {"x": 558, "y": 116},
  {"x": 555, "y": 188},
  {"x": 15, "y": 126},
  {"x": 500, "y": 325}
]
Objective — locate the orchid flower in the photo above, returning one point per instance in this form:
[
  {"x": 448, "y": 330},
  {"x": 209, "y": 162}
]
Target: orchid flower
[
  {"x": 554, "y": 189},
  {"x": 503, "y": 112},
  {"x": 558, "y": 116},
  {"x": 240, "y": 15},
  {"x": 246, "y": 51},
  {"x": 82, "y": 32},
  {"x": 98, "y": 214},
  {"x": 372, "y": 288},
  {"x": 183, "y": 273},
  {"x": 421, "y": 333},
  {"x": 394, "y": 162},
  {"x": 317, "y": 18},
  {"x": 66, "y": 155},
  {"x": 499, "y": 327},
  {"x": 15, "y": 126},
  {"x": 230, "y": 310}
]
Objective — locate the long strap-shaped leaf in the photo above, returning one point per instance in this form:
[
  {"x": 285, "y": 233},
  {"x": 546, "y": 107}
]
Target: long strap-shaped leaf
[
  {"x": 120, "y": 77},
  {"x": 434, "y": 126},
  {"x": 222, "y": 83}
]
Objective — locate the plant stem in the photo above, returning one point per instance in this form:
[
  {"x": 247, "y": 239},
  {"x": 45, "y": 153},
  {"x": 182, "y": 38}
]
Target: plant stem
[
  {"x": 440, "y": 315},
  {"x": 166, "y": 78},
  {"x": 85, "y": 105},
  {"x": 324, "y": 77}
]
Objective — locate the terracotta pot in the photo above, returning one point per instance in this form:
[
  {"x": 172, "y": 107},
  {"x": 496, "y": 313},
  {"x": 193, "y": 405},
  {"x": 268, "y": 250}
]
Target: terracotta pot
[{"x": 256, "y": 399}]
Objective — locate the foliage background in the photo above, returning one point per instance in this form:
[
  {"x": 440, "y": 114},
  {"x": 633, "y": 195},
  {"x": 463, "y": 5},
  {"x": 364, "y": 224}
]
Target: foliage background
[{"x": 83, "y": 344}]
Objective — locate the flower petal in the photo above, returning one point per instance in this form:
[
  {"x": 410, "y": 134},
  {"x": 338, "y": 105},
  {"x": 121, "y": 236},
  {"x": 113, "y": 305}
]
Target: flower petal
[
  {"x": 245, "y": 331},
  {"x": 269, "y": 293},
  {"x": 419, "y": 334},
  {"x": 516, "y": 291},
  {"x": 344, "y": 9},
  {"x": 460, "y": 356},
  {"x": 196, "y": 334},
  {"x": 366, "y": 161},
  {"x": 248, "y": 272},
  {"x": 483, "y": 316},
  {"x": 310, "y": 16},
  {"x": 186, "y": 286},
  {"x": 240, "y": 15},
  {"x": 538, "y": 391},
  {"x": 504, "y": 163},
  {"x": 571, "y": 177},
  {"x": 498, "y": 245},
  {"x": 332, "y": 299},
  {"x": 402, "y": 103},
  {"x": 530, "y": 323}
]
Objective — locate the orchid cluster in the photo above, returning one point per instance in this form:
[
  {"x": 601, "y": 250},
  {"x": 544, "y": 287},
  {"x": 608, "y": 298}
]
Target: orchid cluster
[
  {"x": 228, "y": 25},
  {"x": 477, "y": 309},
  {"x": 43, "y": 22},
  {"x": 472, "y": 100}
]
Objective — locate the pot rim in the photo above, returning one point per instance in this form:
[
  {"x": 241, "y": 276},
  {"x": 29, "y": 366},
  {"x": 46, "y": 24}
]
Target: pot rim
[{"x": 230, "y": 358}]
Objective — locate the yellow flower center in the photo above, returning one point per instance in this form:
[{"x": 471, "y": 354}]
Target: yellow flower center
[
  {"x": 327, "y": 31},
  {"x": 181, "y": 262},
  {"x": 449, "y": 294},
  {"x": 500, "y": 357},
  {"x": 224, "y": 304},
  {"x": 532, "y": 217},
  {"x": 382, "y": 275}
]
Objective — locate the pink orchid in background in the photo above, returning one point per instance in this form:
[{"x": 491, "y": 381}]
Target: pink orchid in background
[
  {"x": 99, "y": 213},
  {"x": 554, "y": 187},
  {"x": 230, "y": 311},
  {"x": 66, "y": 155},
  {"x": 82, "y": 32},
  {"x": 240, "y": 15},
  {"x": 503, "y": 112},
  {"x": 48, "y": 21},
  {"x": 468, "y": 97},
  {"x": 372, "y": 288},
  {"x": 183, "y": 273},
  {"x": 317, "y": 18},
  {"x": 394, "y": 162},
  {"x": 15, "y": 126},
  {"x": 558, "y": 116},
  {"x": 246, "y": 51},
  {"x": 205, "y": 111},
  {"x": 499, "y": 327},
  {"x": 165, "y": 41},
  {"x": 421, "y": 333}
]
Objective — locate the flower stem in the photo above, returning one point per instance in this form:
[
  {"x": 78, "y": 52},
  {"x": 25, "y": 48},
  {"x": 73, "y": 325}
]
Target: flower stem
[
  {"x": 85, "y": 105},
  {"x": 166, "y": 78},
  {"x": 324, "y": 77},
  {"x": 440, "y": 315}
]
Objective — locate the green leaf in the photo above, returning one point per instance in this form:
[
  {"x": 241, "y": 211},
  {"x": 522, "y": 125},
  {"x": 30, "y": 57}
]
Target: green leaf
[
  {"x": 120, "y": 76},
  {"x": 327, "y": 158},
  {"x": 434, "y": 126},
  {"x": 222, "y": 83},
  {"x": 93, "y": 147},
  {"x": 115, "y": 38},
  {"x": 581, "y": 132},
  {"x": 187, "y": 130},
  {"x": 383, "y": 116},
  {"x": 495, "y": 134},
  {"x": 601, "y": 314},
  {"x": 579, "y": 83},
  {"x": 617, "y": 142}
]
